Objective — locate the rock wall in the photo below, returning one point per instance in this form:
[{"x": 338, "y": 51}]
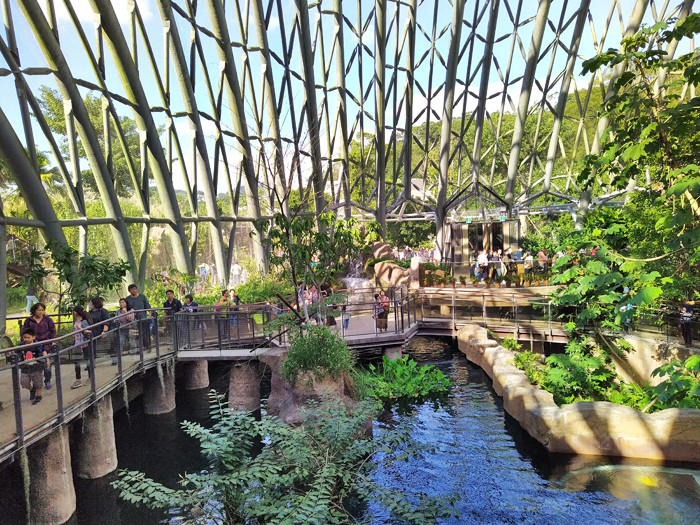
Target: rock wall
[
  {"x": 596, "y": 428},
  {"x": 391, "y": 274}
]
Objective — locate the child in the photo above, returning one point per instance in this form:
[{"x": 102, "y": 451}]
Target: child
[
  {"x": 81, "y": 320},
  {"x": 32, "y": 377}
]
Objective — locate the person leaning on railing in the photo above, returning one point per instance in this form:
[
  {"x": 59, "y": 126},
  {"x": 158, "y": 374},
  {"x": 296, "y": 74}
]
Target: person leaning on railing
[
  {"x": 98, "y": 314},
  {"x": 124, "y": 319}
]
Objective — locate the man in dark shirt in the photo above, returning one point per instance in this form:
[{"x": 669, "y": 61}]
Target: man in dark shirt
[
  {"x": 138, "y": 301},
  {"x": 172, "y": 306}
]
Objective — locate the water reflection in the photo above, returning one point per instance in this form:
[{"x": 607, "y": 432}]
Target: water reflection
[
  {"x": 480, "y": 453},
  {"x": 502, "y": 475}
]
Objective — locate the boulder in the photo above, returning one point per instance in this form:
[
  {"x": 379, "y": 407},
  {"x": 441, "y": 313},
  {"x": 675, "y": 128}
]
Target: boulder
[{"x": 381, "y": 250}]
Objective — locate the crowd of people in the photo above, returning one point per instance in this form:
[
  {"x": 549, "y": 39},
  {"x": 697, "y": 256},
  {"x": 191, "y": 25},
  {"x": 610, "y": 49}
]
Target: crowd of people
[{"x": 118, "y": 328}]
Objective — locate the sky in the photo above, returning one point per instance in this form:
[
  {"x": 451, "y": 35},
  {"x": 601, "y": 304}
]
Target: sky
[{"x": 604, "y": 25}]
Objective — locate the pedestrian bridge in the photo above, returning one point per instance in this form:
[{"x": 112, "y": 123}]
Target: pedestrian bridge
[{"x": 112, "y": 358}]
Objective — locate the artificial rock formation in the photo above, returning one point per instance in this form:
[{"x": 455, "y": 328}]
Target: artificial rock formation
[
  {"x": 285, "y": 400},
  {"x": 597, "y": 428}
]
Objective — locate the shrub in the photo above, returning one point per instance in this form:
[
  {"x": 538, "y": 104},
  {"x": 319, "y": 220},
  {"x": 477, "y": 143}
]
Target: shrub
[
  {"x": 318, "y": 351},
  {"x": 532, "y": 366},
  {"x": 400, "y": 378},
  {"x": 511, "y": 344},
  {"x": 682, "y": 388}
]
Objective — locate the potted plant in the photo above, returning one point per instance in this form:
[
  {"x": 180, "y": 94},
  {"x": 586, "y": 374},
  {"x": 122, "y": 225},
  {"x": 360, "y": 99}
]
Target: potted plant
[
  {"x": 545, "y": 278},
  {"x": 509, "y": 279},
  {"x": 536, "y": 279},
  {"x": 497, "y": 280},
  {"x": 475, "y": 281},
  {"x": 526, "y": 279},
  {"x": 442, "y": 280},
  {"x": 453, "y": 281},
  {"x": 463, "y": 280},
  {"x": 429, "y": 279},
  {"x": 487, "y": 282}
]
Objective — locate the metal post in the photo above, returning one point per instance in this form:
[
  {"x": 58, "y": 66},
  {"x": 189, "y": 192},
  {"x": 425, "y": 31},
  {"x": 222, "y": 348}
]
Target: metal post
[
  {"x": 91, "y": 364},
  {"x": 58, "y": 383},
  {"x": 17, "y": 394},
  {"x": 156, "y": 335},
  {"x": 483, "y": 308}
]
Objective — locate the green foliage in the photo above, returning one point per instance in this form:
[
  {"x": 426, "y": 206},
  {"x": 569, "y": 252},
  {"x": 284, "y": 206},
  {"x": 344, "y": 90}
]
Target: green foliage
[
  {"x": 79, "y": 278},
  {"x": 318, "y": 351},
  {"x": 682, "y": 388},
  {"x": 511, "y": 344},
  {"x": 411, "y": 233},
  {"x": 530, "y": 363},
  {"x": 51, "y": 103},
  {"x": 261, "y": 289},
  {"x": 403, "y": 378},
  {"x": 266, "y": 472},
  {"x": 583, "y": 373}
]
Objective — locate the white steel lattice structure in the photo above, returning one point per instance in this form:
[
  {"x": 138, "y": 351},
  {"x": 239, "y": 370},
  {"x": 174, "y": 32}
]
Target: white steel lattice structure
[{"x": 223, "y": 112}]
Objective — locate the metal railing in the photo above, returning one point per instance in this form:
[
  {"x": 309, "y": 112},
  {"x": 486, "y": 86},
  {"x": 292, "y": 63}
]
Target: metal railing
[
  {"x": 84, "y": 366},
  {"x": 85, "y": 370}
]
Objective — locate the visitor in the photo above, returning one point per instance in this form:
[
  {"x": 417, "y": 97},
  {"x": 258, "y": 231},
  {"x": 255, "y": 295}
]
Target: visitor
[
  {"x": 385, "y": 304},
  {"x": 482, "y": 264},
  {"x": 32, "y": 374},
  {"x": 172, "y": 306},
  {"x": 519, "y": 255},
  {"x": 139, "y": 303},
  {"x": 686, "y": 312},
  {"x": 222, "y": 307},
  {"x": 345, "y": 309},
  {"x": 44, "y": 330},
  {"x": 124, "y": 320},
  {"x": 312, "y": 298},
  {"x": 236, "y": 273},
  {"x": 81, "y": 322},
  {"x": 235, "y": 300},
  {"x": 542, "y": 259},
  {"x": 495, "y": 264},
  {"x": 378, "y": 310},
  {"x": 31, "y": 295},
  {"x": 190, "y": 307},
  {"x": 528, "y": 263},
  {"x": 98, "y": 314}
]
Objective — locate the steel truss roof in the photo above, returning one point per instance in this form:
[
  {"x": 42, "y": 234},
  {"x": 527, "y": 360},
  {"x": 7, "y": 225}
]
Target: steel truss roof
[{"x": 385, "y": 107}]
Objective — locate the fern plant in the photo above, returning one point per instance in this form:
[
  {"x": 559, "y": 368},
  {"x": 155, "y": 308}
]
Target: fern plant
[{"x": 266, "y": 472}]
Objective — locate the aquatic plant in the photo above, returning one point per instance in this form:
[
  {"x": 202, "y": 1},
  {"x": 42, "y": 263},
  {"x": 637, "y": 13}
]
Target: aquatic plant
[{"x": 403, "y": 378}]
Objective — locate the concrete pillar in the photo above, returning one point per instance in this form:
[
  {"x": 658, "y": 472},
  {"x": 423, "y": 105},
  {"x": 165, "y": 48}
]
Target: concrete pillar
[
  {"x": 244, "y": 387},
  {"x": 94, "y": 446},
  {"x": 196, "y": 375},
  {"x": 51, "y": 480},
  {"x": 159, "y": 397},
  {"x": 393, "y": 352}
]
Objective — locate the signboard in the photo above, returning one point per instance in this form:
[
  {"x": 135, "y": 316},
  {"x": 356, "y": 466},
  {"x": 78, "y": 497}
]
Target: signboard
[
  {"x": 502, "y": 218},
  {"x": 468, "y": 220}
]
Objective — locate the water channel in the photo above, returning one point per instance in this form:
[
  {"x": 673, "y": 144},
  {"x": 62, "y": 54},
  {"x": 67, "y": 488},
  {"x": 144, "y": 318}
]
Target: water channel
[{"x": 500, "y": 473}]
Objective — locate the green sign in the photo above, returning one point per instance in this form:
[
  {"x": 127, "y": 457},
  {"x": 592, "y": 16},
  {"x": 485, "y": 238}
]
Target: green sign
[
  {"x": 502, "y": 218},
  {"x": 468, "y": 220}
]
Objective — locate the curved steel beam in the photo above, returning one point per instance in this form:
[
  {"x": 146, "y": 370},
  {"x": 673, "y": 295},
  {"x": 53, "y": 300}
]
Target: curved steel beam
[{"x": 53, "y": 54}]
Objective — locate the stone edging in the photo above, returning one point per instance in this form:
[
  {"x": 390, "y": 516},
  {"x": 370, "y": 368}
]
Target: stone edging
[{"x": 596, "y": 428}]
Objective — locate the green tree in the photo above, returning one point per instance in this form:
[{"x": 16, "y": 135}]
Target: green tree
[
  {"x": 78, "y": 278},
  {"x": 51, "y": 104}
]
